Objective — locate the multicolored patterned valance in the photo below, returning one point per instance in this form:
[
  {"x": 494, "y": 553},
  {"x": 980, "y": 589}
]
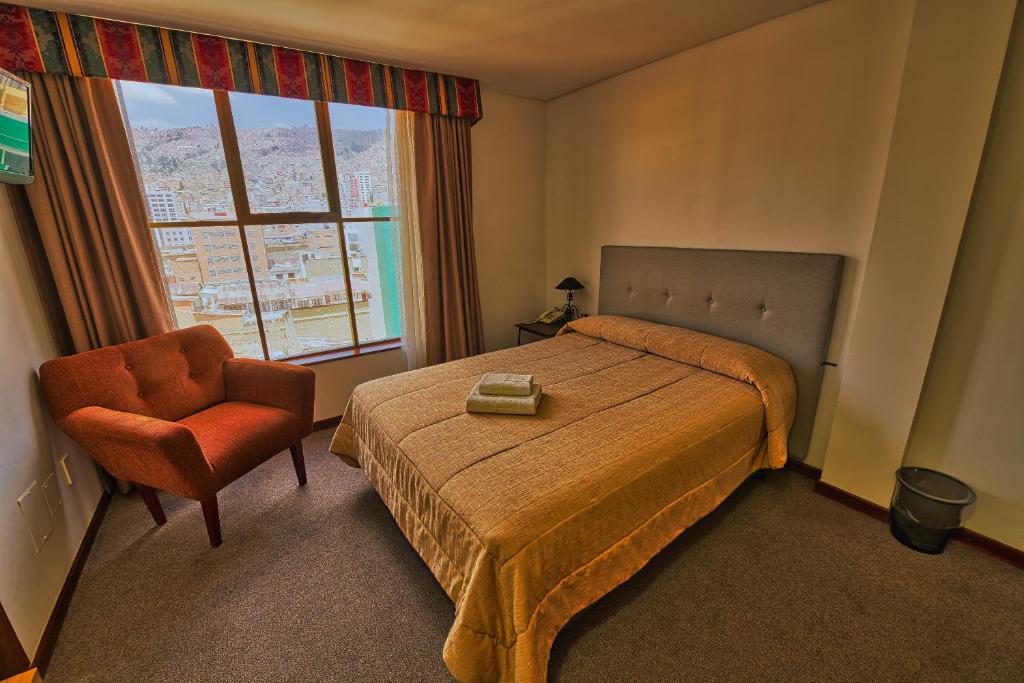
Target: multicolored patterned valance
[{"x": 59, "y": 43}]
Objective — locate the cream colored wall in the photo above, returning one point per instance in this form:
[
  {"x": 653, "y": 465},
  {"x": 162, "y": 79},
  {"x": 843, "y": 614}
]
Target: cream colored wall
[
  {"x": 29, "y": 449},
  {"x": 509, "y": 214},
  {"x": 970, "y": 421},
  {"x": 954, "y": 60},
  {"x": 336, "y": 380},
  {"x": 773, "y": 138}
]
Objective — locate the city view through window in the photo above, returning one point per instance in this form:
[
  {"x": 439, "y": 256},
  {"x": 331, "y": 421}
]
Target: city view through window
[{"x": 286, "y": 199}]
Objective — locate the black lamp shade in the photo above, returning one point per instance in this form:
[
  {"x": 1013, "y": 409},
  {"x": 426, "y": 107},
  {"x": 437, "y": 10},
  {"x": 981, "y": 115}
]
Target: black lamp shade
[{"x": 570, "y": 283}]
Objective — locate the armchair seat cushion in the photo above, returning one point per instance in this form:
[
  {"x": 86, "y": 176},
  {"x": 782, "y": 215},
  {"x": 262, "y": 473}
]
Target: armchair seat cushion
[{"x": 236, "y": 436}]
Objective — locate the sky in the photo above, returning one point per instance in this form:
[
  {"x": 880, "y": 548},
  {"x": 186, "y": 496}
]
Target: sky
[{"x": 167, "y": 106}]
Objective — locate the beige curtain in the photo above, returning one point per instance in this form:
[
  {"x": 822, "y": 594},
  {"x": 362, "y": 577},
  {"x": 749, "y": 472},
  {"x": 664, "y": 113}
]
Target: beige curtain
[
  {"x": 441, "y": 299},
  {"x": 90, "y": 214},
  {"x": 411, "y": 273}
]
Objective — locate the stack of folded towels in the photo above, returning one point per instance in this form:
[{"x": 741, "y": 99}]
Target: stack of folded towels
[{"x": 500, "y": 392}]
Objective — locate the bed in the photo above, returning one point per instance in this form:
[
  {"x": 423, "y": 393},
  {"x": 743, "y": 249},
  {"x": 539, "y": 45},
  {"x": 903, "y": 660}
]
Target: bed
[{"x": 702, "y": 367}]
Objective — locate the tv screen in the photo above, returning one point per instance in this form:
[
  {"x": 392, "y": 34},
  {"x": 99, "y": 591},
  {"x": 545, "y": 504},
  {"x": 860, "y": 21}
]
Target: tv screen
[{"x": 15, "y": 130}]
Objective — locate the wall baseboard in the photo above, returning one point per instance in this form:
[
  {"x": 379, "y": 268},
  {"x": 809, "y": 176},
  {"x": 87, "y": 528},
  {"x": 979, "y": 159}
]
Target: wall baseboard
[
  {"x": 803, "y": 469},
  {"x": 990, "y": 546},
  {"x": 60, "y": 610},
  {"x": 327, "y": 422},
  {"x": 979, "y": 542},
  {"x": 851, "y": 501}
]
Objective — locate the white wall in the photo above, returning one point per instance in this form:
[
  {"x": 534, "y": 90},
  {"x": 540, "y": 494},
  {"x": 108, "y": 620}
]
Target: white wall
[
  {"x": 970, "y": 421},
  {"x": 509, "y": 214},
  {"x": 29, "y": 449}
]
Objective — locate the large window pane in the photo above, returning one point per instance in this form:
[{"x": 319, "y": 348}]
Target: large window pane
[
  {"x": 296, "y": 269},
  {"x": 206, "y": 283},
  {"x": 361, "y": 153},
  {"x": 280, "y": 150},
  {"x": 178, "y": 149},
  {"x": 373, "y": 256},
  {"x": 301, "y": 288}
]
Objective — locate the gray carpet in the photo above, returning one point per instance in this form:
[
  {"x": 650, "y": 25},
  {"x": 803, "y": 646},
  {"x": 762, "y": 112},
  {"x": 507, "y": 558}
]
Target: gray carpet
[{"x": 318, "y": 584}]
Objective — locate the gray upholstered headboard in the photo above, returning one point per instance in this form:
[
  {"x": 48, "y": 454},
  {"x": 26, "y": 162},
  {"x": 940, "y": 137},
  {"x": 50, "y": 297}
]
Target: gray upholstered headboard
[{"x": 782, "y": 302}]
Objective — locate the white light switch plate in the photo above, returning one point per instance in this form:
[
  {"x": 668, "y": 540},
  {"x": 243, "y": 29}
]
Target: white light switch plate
[
  {"x": 51, "y": 494},
  {"x": 36, "y": 516}
]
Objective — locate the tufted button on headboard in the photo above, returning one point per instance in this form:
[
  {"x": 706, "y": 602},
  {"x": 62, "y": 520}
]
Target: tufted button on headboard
[
  {"x": 168, "y": 376},
  {"x": 782, "y": 302}
]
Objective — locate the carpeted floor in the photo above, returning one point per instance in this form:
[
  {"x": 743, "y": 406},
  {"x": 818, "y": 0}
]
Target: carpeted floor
[{"x": 318, "y": 584}]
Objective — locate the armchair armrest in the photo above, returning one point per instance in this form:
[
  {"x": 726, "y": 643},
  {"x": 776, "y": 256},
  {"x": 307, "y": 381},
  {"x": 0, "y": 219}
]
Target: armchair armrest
[
  {"x": 161, "y": 454},
  {"x": 272, "y": 383}
]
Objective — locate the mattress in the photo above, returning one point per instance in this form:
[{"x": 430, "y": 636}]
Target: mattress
[{"x": 525, "y": 520}]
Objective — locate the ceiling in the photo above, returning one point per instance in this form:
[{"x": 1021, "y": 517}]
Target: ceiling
[{"x": 532, "y": 48}]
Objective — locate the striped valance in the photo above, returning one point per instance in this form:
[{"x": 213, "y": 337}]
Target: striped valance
[{"x": 59, "y": 43}]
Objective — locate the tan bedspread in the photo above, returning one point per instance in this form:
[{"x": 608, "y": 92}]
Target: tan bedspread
[{"x": 643, "y": 430}]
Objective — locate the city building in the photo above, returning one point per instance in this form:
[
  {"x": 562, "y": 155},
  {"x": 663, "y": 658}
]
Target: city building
[
  {"x": 164, "y": 206},
  {"x": 357, "y": 188}
]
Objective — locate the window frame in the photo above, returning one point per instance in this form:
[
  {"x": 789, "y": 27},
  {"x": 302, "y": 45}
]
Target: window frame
[{"x": 244, "y": 217}]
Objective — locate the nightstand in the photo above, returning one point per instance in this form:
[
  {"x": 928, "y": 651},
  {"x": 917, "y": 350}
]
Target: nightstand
[{"x": 542, "y": 330}]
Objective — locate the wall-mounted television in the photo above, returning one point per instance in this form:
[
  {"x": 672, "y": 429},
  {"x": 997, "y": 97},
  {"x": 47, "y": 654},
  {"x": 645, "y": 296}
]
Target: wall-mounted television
[{"x": 15, "y": 130}]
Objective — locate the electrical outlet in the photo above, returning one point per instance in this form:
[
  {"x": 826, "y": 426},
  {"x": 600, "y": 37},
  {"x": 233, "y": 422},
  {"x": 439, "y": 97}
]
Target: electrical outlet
[
  {"x": 51, "y": 494},
  {"x": 66, "y": 469},
  {"x": 37, "y": 517}
]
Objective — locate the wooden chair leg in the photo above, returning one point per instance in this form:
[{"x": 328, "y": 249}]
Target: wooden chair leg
[
  {"x": 212, "y": 516},
  {"x": 153, "y": 503},
  {"x": 299, "y": 462}
]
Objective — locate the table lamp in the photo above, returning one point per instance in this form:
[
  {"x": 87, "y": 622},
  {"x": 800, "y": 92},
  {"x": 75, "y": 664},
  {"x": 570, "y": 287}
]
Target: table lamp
[{"x": 570, "y": 285}]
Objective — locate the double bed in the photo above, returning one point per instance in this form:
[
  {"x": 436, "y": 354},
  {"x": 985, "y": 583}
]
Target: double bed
[{"x": 702, "y": 367}]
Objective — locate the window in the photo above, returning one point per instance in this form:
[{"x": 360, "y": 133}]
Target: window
[{"x": 274, "y": 219}]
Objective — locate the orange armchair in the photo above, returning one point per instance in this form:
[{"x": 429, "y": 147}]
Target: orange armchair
[{"x": 177, "y": 412}]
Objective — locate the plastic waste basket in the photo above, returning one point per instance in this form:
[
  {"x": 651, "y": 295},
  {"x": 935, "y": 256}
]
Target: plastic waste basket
[{"x": 926, "y": 508}]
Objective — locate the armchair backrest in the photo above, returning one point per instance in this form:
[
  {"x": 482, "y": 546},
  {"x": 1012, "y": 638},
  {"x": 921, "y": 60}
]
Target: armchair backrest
[{"x": 169, "y": 376}]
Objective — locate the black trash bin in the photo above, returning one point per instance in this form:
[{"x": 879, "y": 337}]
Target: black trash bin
[{"x": 926, "y": 507}]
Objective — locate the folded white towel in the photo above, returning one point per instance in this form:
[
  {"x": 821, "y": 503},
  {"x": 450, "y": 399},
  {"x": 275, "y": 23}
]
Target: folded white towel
[
  {"x": 505, "y": 384},
  {"x": 503, "y": 405}
]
